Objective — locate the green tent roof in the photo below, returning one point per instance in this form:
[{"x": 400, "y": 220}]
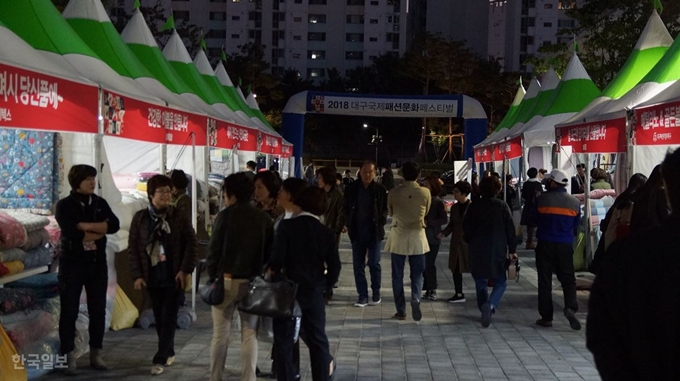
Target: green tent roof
[{"x": 519, "y": 95}]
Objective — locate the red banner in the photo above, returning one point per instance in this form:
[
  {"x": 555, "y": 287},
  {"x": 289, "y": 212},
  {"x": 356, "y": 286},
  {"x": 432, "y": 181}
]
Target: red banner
[
  {"x": 42, "y": 102},
  {"x": 286, "y": 151},
  {"x": 509, "y": 149},
  {"x": 270, "y": 144},
  {"x": 132, "y": 119},
  {"x": 657, "y": 125},
  {"x": 607, "y": 136},
  {"x": 228, "y": 135},
  {"x": 483, "y": 154}
]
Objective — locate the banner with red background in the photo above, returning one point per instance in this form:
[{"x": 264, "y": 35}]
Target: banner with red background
[
  {"x": 271, "y": 144},
  {"x": 483, "y": 154},
  {"x": 129, "y": 118},
  {"x": 607, "y": 136},
  {"x": 509, "y": 149},
  {"x": 657, "y": 125},
  {"x": 227, "y": 135},
  {"x": 286, "y": 151},
  {"x": 41, "y": 102}
]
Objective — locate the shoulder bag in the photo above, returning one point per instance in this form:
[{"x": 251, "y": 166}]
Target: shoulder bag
[
  {"x": 213, "y": 291},
  {"x": 273, "y": 298}
]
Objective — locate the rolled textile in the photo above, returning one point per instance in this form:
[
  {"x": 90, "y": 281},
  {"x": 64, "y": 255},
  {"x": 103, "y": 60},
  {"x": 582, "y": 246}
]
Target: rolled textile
[
  {"x": 12, "y": 233},
  {"x": 30, "y": 222},
  {"x": 14, "y": 300},
  {"x": 10, "y": 255},
  {"x": 40, "y": 256},
  {"x": 11, "y": 268},
  {"x": 46, "y": 286},
  {"x": 24, "y": 333},
  {"x": 36, "y": 239}
]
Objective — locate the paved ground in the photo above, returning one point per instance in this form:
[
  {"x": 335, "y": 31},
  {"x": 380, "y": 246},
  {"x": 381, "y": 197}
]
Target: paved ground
[{"x": 448, "y": 344}]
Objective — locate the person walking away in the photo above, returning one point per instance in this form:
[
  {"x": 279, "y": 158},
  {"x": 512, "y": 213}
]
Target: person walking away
[
  {"x": 388, "y": 179},
  {"x": 459, "y": 261},
  {"x": 489, "y": 232},
  {"x": 162, "y": 251},
  {"x": 248, "y": 232},
  {"x": 310, "y": 173},
  {"x": 558, "y": 217},
  {"x": 408, "y": 204},
  {"x": 251, "y": 169},
  {"x": 84, "y": 219},
  {"x": 632, "y": 328},
  {"x": 366, "y": 216},
  {"x": 304, "y": 250},
  {"x": 530, "y": 190},
  {"x": 434, "y": 220},
  {"x": 651, "y": 205}
]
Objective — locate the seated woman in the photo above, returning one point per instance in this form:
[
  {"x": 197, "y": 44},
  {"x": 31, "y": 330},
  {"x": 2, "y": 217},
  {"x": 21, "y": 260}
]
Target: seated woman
[
  {"x": 303, "y": 249},
  {"x": 599, "y": 176}
]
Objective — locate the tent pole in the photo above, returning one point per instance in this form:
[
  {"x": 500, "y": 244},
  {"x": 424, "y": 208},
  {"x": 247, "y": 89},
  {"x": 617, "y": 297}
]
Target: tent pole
[
  {"x": 206, "y": 194},
  {"x": 162, "y": 158},
  {"x": 194, "y": 221},
  {"x": 98, "y": 139},
  {"x": 588, "y": 211}
]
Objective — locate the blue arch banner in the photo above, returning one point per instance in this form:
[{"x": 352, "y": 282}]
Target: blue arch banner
[{"x": 405, "y": 106}]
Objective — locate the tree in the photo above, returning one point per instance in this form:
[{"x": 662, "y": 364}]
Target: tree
[
  {"x": 609, "y": 30},
  {"x": 250, "y": 68},
  {"x": 334, "y": 82}
]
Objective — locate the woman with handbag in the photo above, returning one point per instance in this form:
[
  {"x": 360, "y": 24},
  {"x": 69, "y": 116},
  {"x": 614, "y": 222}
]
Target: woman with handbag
[
  {"x": 163, "y": 251},
  {"x": 303, "y": 249}
]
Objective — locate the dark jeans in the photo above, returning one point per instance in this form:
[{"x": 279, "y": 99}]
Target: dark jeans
[
  {"x": 165, "y": 304},
  {"x": 482, "y": 284},
  {"x": 417, "y": 265},
  {"x": 557, "y": 258},
  {"x": 72, "y": 278},
  {"x": 359, "y": 249},
  {"x": 430, "y": 275},
  {"x": 313, "y": 324}
]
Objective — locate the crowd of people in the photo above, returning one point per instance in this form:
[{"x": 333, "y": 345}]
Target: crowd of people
[{"x": 292, "y": 228}]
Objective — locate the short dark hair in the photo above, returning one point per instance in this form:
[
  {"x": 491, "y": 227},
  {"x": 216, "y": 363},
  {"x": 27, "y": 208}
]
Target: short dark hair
[
  {"x": 463, "y": 187},
  {"x": 543, "y": 171},
  {"x": 435, "y": 186},
  {"x": 410, "y": 171},
  {"x": 293, "y": 186},
  {"x": 312, "y": 200},
  {"x": 670, "y": 169},
  {"x": 240, "y": 186},
  {"x": 270, "y": 181},
  {"x": 327, "y": 174},
  {"x": 179, "y": 179},
  {"x": 338, "y": 177},
  {"x": 347, "y": 171},
  {"x": 598, "y": 174},
  {"x": 532, "y": 173},
  {"x": 155, "y": 182},
  {"x": 490, "y": 186},
  {"x": 79, "y": 173},
  {"x": 581, "y": 165},
  {"x": 251, "y": 164},
  {"x": 368, "y": 162}
]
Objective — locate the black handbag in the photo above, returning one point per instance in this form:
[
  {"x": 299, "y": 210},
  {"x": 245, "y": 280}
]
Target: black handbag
[
  {"x": 273, "y": 298},
  {"x": 213, "y": 291}
]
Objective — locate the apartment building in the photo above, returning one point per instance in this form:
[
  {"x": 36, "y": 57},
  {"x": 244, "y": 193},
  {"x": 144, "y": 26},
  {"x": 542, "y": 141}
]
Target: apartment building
[{"x": 308, "y": 35}]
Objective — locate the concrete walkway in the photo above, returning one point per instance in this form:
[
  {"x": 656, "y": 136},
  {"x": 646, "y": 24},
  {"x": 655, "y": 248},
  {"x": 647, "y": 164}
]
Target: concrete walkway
[{"x": 447, "y": 344}]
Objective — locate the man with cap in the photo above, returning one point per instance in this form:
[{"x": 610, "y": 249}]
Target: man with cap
[
  {"x": 558, "y": 215},
  {"x": 85, "y": 219}
]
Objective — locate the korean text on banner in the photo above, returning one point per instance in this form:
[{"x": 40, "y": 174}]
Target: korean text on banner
[
  {"x": 286, "y": 151},
  {"x": 607, "y": 136},
  {"x": 483, "y": 154},
  {"x": 509, "y": 149},
  {"x": 36, "y": 101},
  {"x": 269, "y": 144},
  {"x": 343, "y": 105},
  {"x": 132, "y": 119},
  {"x": 228, "y": 135},
  {"x": 657, "y": 125}
]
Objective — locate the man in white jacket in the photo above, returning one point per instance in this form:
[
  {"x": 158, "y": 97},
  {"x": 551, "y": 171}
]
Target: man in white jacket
[{"x": 408, "y": 204}]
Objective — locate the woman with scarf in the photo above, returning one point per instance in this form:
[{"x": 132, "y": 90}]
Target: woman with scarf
[{"x": 163, "y": 251}]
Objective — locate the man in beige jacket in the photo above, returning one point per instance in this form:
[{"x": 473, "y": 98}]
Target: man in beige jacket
[{"x": 408, "y": 204}]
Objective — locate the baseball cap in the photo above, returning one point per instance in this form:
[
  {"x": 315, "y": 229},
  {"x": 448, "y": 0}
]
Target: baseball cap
[{"x": 559, "y": 176}]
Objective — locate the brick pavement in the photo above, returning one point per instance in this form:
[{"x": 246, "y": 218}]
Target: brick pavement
[{"x": 447, "y": 344}]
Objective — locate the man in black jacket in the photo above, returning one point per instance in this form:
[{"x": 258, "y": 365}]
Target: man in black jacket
[
  {"x": 632, "y": 327},
  {"x": 84, "y": 219},
  {"x": 366, "y": 216},
  {"x": 248, "y": 233}
]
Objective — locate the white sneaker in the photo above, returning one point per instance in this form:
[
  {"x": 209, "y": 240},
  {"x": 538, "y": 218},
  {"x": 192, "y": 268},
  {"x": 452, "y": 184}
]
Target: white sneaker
[
  {"x": 170, "y": 361},
  {"x": 157, "y": 369}
]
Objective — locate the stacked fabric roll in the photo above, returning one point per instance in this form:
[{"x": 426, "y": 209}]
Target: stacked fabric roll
[{"x": 24, "y": 242}]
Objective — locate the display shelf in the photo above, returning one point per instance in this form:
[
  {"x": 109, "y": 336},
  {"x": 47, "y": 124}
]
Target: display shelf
[{"x": 23, "y": 274}]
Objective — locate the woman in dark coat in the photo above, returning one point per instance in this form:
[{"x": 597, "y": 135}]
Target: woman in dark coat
[
  {"x": 304, "y": 249},
  {"x": 459, "y": 261},
  {"x": 651, "y": 207},
  {"x": 530, "y": 190},
  {"x": 490, "y": 233},
  {"x": 434, "y": 219},
  {"x": 163, "y": 252}
]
